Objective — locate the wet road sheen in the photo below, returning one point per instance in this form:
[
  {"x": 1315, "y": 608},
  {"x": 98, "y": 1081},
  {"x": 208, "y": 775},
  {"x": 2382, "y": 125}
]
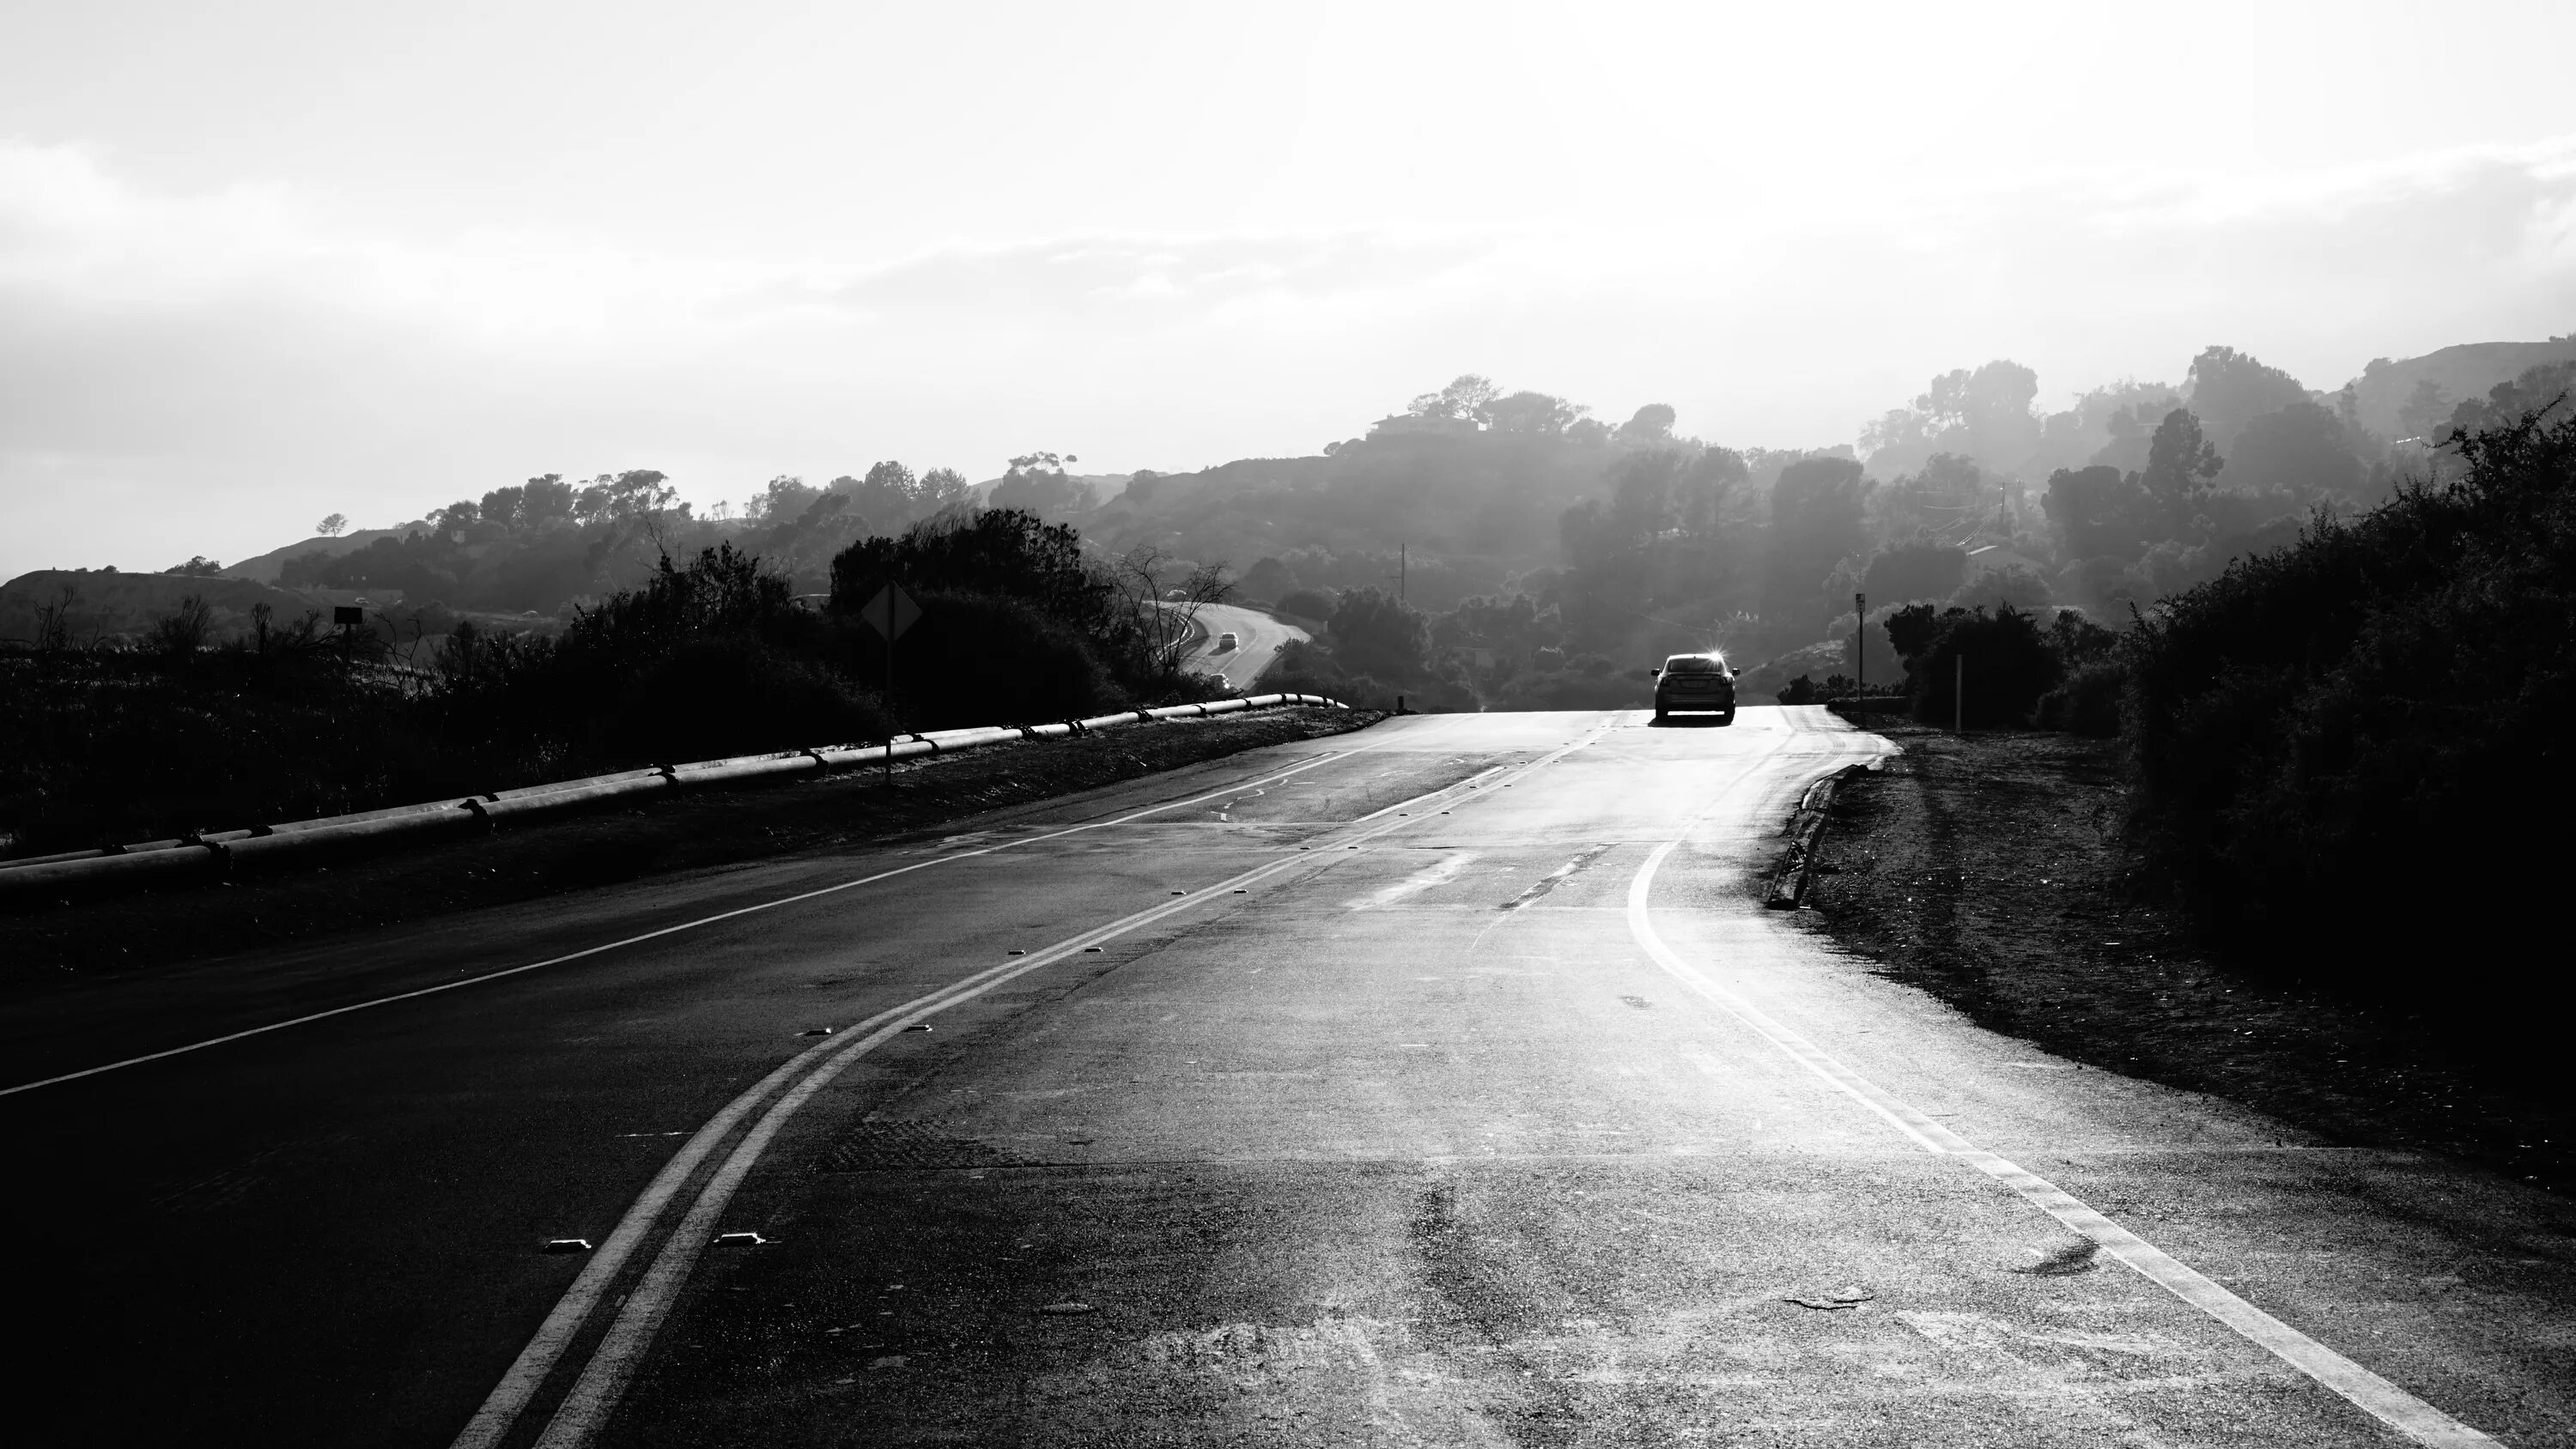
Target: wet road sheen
[{"x": 1402, "y": 1137}]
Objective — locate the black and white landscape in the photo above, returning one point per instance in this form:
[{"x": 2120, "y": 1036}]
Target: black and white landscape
[{"x": 1148, "y": 725}]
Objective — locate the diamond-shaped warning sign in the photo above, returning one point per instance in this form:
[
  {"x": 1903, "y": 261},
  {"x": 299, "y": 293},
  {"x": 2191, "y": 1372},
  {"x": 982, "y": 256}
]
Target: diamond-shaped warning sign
[{"x": 891, "y": 612}]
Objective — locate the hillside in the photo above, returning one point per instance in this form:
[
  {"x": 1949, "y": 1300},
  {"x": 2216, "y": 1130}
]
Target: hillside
[
  {"x": 1471, "y": 509},
  {"x": 263, "y": 568},
  {"x": 2462, "y": 372},
  {"x": 105, "y": 603},
  {"x": 1466, "y": 495}
]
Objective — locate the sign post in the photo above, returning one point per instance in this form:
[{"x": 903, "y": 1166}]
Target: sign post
[
  {"x": 1860, "y": 646},
  {"x": 890, "y": 613}
]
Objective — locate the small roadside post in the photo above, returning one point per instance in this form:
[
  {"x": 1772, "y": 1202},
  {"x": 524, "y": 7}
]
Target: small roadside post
[
  {"x": 890, "y": 613},
  {"x": 1959, "y": 694},
  {"x": 1860, "y": 646}
]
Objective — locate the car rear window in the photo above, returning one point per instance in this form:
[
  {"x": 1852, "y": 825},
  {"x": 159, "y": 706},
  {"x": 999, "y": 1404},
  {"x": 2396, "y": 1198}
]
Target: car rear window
[{"x": 1693, "y": 664}]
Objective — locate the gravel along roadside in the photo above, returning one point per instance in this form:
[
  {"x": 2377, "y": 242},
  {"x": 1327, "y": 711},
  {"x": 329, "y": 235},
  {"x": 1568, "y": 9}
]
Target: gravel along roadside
[
  {"x": 1987, "y": 870},
  {"x": 100, "y": 938}
]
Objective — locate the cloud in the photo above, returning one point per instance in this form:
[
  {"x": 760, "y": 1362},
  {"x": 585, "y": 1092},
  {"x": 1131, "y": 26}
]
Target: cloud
[{"x": 184, "y": 373}]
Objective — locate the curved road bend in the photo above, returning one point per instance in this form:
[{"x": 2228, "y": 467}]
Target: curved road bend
[
  {"x": 1258, "y": 637},
  {"x": 1515, "y": 1124}
]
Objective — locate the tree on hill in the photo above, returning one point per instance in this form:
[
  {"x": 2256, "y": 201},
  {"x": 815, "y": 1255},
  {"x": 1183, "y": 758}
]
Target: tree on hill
[
  {"x": 1816, "y": 523},
  {"x": 2300, "y": 451},
  {"x": 2129, "y": 429},
  {"x": 784, "y": 499},
  {"x": 885, "y": 500},
  {"x": 2229, "y": 389},
  {"x": 2426, "y": 410},
  {"x": 1268, "y": 578},
  {"x": 637, "y": 493},
  {"x": 1921, "y": 568},
  {"x": 1514, "y": 628},
  {"x": 1036, "y": 483},
  {"x": 1948, "y": 495},
  {"x": 332, "y": 525},
  {"x": 1002, "y": 552},
  {"x": 1652, "y": 423},
  {"x": 1375, "y": 634},
  {"x": 1463, "y": 399},
  {"x": 2100, "y": 512},
  {"x": 943, "y": 488},
  {"x": 1984, "y": 414},
  {"x": 1532, "y": 412},
  {"x": 527, "y": 507},
  {"x": 2544, "y": 391},
  {"x": 2180, "y": 463}
]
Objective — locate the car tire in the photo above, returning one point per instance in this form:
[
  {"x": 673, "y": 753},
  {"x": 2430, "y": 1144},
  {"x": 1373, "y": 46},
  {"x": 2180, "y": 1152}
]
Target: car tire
[
  {"x": 1660, "y": 716},
  {"x": 1727, "y": 718}
]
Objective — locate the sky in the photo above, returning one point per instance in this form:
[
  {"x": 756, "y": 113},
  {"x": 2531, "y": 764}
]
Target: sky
[{"x": 260, "y": 262}]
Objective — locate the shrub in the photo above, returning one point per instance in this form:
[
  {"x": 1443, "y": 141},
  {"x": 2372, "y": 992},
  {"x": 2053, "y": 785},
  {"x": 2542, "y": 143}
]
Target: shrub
[
  {"x": 2326, "y": 730},
  {"x": 1373, "y": 633},
  {"x": 107, "y": 746},
  {"x": 186, "y": 628},
  {"x": 1307, "y": 604},
  {"x": 2087, "y": 701},
  {"x": 721, "y": 695},
  {"x": 979, "y": 659},
  {"x": 1305, "y": 667},
  {"x": 1003, "y": 553},
  {"x": 2015, "y": 587},
  {"x": 2008, "y": 667}
]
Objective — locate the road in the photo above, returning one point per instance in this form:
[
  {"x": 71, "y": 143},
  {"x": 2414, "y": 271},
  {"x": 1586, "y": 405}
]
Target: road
[
  {"x": 1438, "y": 1084},
  {"x": 1258, "y": 639}
]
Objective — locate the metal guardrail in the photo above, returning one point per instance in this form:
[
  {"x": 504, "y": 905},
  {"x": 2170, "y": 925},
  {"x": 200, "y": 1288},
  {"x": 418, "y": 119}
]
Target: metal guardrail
[{"x": 215, "y": 854}]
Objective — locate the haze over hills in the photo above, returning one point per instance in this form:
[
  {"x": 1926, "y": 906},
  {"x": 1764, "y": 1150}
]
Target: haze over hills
[
  {"x": 1487, "y": 493},
  {"x": 523, "y": 958}
]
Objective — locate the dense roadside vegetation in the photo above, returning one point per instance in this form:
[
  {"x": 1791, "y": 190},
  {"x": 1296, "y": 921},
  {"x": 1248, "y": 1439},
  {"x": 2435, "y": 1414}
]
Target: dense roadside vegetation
[
  {"x": 714, "y": 656},
  {"x": 2335, "y": 749},
  {"x": 2347, "y": 751}
]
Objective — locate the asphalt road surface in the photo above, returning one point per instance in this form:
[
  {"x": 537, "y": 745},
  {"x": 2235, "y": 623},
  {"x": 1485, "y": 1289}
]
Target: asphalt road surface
[
  {"x": 1438, "y": 1084},
  {"x": 1258, "y": 639}
]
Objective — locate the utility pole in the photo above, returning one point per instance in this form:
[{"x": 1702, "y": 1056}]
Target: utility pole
[{"x": 1403, "y": 565}]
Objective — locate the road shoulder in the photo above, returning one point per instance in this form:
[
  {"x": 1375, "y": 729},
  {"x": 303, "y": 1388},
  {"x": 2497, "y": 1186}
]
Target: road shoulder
[
  {"x": 1986, "y": 870},
  {"x": 107, "y": 939}
]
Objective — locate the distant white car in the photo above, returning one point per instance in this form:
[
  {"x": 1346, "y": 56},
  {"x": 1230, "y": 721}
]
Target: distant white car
[{"x": 1225, "y": 642}]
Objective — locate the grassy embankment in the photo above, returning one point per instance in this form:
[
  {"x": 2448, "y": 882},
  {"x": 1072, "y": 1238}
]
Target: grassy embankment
[{"x": 2308, "y": 871}]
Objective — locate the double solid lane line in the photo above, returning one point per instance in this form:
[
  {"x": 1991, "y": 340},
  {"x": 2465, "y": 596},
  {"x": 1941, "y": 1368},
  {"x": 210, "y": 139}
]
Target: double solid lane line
[{"x": 617, "y": 1350}]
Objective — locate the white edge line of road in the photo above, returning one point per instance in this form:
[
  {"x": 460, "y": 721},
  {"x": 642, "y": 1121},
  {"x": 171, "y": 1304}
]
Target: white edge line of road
[
  {"x": 2376, "y": 1396},
  {"x": 587, "y": 1405},
  {"x": 215, "y": 1041}
]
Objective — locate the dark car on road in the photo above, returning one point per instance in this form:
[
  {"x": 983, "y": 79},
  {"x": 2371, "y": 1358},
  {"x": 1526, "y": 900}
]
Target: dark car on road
[{"x": 1697, "y": 683}]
